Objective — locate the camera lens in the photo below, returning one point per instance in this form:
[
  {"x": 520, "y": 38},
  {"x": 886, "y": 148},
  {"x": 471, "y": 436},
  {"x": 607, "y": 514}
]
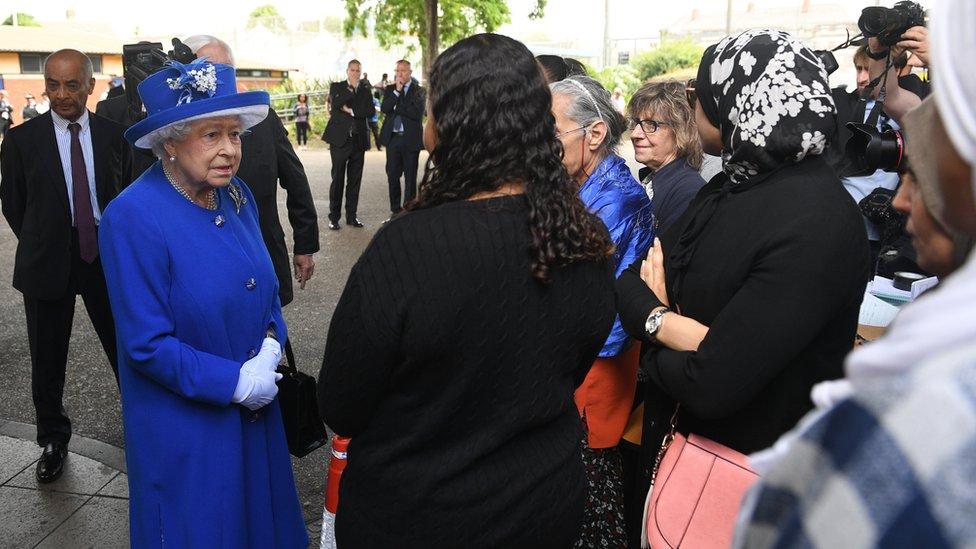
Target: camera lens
[
  {"x": 873, "y": 21},
  {"x": 873, "y": 150}
]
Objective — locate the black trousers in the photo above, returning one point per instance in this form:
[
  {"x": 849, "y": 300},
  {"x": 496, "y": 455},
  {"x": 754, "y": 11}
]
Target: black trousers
[
  {"x": 347, "y": 157},
  {"x": 301, "y": 132},
  {"x": 48, "y": 332},
  {"x": 400, "y": 161}
]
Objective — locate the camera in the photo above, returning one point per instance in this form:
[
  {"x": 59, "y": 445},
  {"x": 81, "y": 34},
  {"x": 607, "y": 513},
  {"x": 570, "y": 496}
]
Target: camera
[
  {"x": 142, "y": 59},
  {"x": 871, "y": 149},
  {"x": 888, "y": 24}
]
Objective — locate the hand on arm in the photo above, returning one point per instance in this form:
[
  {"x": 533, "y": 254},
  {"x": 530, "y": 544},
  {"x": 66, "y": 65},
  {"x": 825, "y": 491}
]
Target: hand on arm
[{"x": 675, "y": 331}]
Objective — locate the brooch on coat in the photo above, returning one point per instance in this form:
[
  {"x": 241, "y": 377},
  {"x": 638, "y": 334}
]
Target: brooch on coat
[{"x": 237, "y": 196}]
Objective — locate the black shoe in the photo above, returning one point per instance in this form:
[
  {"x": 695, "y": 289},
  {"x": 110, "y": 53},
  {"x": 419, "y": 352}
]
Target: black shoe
[
  {"x": 355, "y": 223},
  {"x": 334, "y": 226},
  {"x": 51, "y": 464}
]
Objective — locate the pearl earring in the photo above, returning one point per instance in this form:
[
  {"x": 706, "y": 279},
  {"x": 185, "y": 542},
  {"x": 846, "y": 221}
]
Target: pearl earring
[{"x": 172, "y": 158}]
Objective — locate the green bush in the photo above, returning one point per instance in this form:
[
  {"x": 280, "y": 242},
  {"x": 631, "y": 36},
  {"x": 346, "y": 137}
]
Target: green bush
[
  {"x": 667, "y": 57},
  {"x": 619, "y": 76}
]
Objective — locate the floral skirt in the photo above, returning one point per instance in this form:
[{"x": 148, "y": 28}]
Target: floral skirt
[{"x": 603, "y": 517}]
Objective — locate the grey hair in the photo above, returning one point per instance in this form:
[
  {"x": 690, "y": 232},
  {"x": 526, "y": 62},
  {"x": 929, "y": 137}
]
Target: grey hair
[
  {"x": 87, "y": 69},
  {"x": 177, "y": 132},
  {"x": 198, "y": 41},
  {"x": 590, "y": 103}
]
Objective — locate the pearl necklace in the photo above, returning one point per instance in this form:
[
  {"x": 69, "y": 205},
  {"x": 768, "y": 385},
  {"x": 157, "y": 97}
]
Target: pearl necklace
[{"x": 211, "y": 197}]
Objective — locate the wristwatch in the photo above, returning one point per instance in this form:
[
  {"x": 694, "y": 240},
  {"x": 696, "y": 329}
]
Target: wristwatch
[{"x": 654, "y": 321}]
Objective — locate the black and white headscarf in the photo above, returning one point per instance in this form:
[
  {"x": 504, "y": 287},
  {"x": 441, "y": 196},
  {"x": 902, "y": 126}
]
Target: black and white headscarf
[{"x": 769, "y": 95}]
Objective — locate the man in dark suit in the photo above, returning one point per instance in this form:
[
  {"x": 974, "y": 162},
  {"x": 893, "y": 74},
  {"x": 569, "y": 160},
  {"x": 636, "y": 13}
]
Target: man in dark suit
[
  {"x": 347, "y": 134},
  {"x": 403, "y": 133},
  {"x": 267, "y": 160},
  {"x": 58, "y": 172}
]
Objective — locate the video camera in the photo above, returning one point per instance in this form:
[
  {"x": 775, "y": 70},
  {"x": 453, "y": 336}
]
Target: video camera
[
  {"x": 889, "y": 24},
  {"x": 142, "y": 59}
]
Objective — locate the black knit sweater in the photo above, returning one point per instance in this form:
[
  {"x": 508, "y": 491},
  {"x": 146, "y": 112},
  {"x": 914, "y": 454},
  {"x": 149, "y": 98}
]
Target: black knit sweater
[{"x": 453, "y": 371}]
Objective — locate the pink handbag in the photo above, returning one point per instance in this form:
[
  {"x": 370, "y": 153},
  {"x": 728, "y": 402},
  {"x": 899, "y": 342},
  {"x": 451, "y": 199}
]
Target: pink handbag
[{"x": 696, "y": 488}]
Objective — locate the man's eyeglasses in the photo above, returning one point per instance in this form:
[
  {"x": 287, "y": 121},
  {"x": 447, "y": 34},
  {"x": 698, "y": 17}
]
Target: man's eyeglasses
[{"x": 649, "y": 126}]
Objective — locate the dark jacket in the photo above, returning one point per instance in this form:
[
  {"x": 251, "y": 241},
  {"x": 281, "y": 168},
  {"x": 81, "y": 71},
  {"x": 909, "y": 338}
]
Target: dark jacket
[
  {"x": 34, "y": 198},
  {"x": 268, "y": 160},
  {"x": 341, "y": 125},
  {"x": 674, "y": 186},
  {"x": 778, "y": 276},
  {"x": 410, "y": 108},
  {"x": 117, "y": 110}
]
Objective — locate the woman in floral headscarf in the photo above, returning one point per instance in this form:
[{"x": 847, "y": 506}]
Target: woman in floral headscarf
[{"x": 752, "y": 296}]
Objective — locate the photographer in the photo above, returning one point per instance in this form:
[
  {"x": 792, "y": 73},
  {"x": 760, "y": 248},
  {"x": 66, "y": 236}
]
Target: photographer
[{"x": 882, "y": 96}]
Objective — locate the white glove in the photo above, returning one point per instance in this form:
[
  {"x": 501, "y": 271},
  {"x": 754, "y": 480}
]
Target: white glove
[{"x": 256, "y": 386}]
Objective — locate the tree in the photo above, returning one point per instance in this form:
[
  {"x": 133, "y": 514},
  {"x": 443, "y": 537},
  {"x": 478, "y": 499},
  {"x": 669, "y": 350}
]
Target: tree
[
  {"x": 619, "y": 76},
  {"x": 23, "y": 20},
  {"x": 433, "y": 22},
  {"x": 666, "y": 58},
  {"x": 267, "y": 16}
]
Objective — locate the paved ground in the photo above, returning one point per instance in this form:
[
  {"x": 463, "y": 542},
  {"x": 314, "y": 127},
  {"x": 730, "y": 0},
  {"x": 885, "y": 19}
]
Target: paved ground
[{"x": 94, "y": 484}]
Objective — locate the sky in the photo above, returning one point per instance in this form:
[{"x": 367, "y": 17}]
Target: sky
[{"x": 564, "y": 18}]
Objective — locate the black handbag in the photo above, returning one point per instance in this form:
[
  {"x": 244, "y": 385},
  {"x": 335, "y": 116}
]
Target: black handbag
[{"x": 298, "y": 400}]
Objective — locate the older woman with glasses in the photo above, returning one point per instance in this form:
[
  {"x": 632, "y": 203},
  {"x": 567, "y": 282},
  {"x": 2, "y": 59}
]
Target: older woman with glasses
[
  {"x": 666, "y": 141},
  {"x": 590, "y": 128}
]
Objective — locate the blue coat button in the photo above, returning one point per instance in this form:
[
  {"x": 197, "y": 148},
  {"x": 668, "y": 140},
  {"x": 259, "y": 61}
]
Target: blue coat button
[
  {"x": 219, "y": 220},
  {"x": 251, "y": 284}
]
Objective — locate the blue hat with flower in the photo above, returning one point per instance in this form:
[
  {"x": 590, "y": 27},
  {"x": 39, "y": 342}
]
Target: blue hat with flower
[{"x": 186, "y": 92}]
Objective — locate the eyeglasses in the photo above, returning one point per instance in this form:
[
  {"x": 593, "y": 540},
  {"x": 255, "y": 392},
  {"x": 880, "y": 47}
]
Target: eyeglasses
[
  {"x": 567, "y": 132},
  {"x": 648, "y": 126}
]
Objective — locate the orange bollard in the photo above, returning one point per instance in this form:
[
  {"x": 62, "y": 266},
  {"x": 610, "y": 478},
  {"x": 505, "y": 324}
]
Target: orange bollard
[{"x": 340, "y": 447}]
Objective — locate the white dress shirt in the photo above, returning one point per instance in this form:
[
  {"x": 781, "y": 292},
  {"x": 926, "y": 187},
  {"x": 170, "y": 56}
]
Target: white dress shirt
[{"x": 63, "y": 135}]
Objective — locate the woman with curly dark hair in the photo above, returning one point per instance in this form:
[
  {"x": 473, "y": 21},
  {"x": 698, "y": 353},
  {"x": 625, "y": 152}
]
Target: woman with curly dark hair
[{"x": 466, "y": 325}]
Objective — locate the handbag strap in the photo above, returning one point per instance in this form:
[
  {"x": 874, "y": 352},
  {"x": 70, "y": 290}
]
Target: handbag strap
[
  {"x": 665, "y": 443},
  {"x": 290, "y": 355}
]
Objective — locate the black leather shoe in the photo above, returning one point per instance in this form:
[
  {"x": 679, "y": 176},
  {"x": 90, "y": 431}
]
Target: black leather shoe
[
  {"x": 334, "y": 226},
  {"x": 355, "y": 223},
  {"x": 51, "y": 464}
]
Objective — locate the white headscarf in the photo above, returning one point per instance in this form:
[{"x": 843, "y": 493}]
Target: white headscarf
[{"x": 953, "y": 40}]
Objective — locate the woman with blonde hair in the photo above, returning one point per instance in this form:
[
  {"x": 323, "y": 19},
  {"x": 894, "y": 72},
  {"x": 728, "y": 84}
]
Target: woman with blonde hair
[{"x": 666, "y": 142}]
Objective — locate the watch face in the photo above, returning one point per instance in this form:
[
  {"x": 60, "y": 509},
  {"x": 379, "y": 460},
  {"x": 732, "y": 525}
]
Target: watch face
[{"x": 654, "y": 322}]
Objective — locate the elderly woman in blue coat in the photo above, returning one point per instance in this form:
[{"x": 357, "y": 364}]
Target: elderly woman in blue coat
[
  {"x": 589, "y": 128},
  {"x": 195, "y": 300}
]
